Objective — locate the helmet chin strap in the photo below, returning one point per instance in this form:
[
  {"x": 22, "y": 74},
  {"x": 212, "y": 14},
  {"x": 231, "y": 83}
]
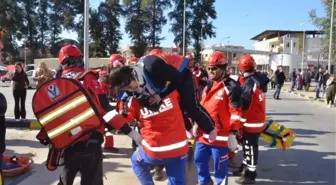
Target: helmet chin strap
[{"x": 221, "y": 77}]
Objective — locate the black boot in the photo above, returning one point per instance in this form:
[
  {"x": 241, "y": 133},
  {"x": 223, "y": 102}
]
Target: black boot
[
  {"x": 210, "y": 183},
  {"x": 247, "y": 178},
  {"x": 158, "y": 173},
  {"x": 240, "y": 171}
]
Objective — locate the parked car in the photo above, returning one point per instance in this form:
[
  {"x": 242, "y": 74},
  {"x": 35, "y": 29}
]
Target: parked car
[
  {"x": 31, "y": 74},
  {"x": 7, "y": 77}
]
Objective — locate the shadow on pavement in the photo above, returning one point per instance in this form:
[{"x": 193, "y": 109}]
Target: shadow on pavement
[
  {"x": 296, "y": 166},
  {"x": 304, "y": 132},
  {"x": 286, "y": 120},
  {"x": 287, "y": 114},
  {"x": 22, "y": 142}
]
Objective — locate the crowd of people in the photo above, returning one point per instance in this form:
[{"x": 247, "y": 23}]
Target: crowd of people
[{"x": 171, "y": 100}]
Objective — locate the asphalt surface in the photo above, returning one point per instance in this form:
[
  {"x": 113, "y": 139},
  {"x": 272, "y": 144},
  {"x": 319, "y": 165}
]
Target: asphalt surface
[
  {"x": 8, "y": 92},
  {"x": 311, "y": 159}
]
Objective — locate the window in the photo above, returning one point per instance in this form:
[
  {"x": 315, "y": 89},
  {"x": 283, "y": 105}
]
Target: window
[
  {"x": 294, "y": 44},
  {"x": 288, "y": 45}
]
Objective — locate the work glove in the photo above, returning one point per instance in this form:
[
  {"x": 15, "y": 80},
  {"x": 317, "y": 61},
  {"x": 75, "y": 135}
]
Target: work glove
[
  {"x": 136, "y": 137},
  {"x": 195, "y": 130},
  {"x": 212, "y": 136},
  {"x": 233, "y": 143},
  {"x": 189, "y": 134}
]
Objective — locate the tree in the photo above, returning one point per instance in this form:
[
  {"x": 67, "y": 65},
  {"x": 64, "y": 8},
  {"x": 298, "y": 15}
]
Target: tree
[
  {"x": 137, "y": 25},
  {"x": 176, "y": 16},
  {"x": 11, "y": 18},
  {"x": 201, "y": 27},
  {"x": 96, "y": 34},
  {"x": 55, "y": 28},
  {"x": 42, "y": 24},
  {"x": 324, "y": 24},
  {"x": 157, "y": 20},
  {"x": 110, "y": 13}
]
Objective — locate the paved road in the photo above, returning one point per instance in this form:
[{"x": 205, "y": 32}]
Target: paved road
[
  {"x": 311, "y": 160},
  {"x": 8, "y": 92}
]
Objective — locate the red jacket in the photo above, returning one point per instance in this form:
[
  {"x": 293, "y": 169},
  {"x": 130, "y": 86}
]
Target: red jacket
[
  {"x": 163, "y": 132},
  {"x": 91, "y": 83},
  {"x": 222, "y": 101},
  {"x": 254, "y": 104}
]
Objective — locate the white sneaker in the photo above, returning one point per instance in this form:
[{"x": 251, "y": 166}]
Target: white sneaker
[
  {"x": 24, "y": 119},
  {"x": 17, "y": 120}
]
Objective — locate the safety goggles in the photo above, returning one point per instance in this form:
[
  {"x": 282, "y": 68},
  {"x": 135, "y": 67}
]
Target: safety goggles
[{"x": 214, "y": 68}]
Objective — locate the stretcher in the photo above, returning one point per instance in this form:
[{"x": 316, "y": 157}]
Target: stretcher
[
  {"x": 14, "y": 166},
  {"x": 278, "y": 135}
]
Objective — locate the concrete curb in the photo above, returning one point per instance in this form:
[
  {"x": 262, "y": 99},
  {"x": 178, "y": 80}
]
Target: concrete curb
[
  {"x": 305, "y": 96},
  {"x": 29, "y": 124}
]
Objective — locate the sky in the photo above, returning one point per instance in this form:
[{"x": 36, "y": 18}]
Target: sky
[{"x": 243, "y": 19}]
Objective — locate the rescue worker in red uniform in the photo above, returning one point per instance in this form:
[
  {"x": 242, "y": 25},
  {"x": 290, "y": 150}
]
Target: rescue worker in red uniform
[
  {"x": 155, "y": 77},
  {"x": 254, "y": 86},
  {"x": 164, "y": 141},
  {"x": 85, "y": 156},
  {"x": 221, "y": 98},
  {"x": 199, "y": 75},
  {"x": 105, "y": 88}
]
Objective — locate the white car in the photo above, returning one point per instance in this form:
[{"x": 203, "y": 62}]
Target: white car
[{"x": 31, "y": 74}]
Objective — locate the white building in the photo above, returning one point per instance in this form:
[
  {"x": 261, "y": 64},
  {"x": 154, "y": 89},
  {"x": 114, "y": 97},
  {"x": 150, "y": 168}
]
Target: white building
[{"x": 290, "y": 46}]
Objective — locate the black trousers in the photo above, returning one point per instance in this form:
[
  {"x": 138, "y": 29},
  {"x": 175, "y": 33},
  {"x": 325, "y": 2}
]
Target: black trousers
[
  {"x": 250, "y": 154},
  {"x": 86, "y": 159},
  {"x": 2, "y": 143},
  {"x": 20, "y": 103}
]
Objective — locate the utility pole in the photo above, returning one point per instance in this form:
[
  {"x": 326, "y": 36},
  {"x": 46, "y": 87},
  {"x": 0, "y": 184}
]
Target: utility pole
[
  {"x": 184, "y": 26},
  {"x": 331, "y": 33},
  {"x": 86, "y": 34}
]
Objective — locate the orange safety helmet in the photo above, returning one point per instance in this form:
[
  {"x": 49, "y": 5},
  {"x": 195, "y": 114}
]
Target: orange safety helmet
[
  {"x": 155, "y": 52},
  {"x": 115, "y": 57},
  {"x": 217, "y": 58},
  {"x": 246, "y": 63},
  {"x": 68, "y": 51},
  {"x": 133, "y": 60}
]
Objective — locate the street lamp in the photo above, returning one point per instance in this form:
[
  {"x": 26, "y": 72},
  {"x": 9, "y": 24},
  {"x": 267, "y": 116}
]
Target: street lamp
[
  {"x": 184, "y": 25},
  {"x": 331, "y": 33},
  {"x": 86, "y": 34},
  {"x": 303, "y": 46}
]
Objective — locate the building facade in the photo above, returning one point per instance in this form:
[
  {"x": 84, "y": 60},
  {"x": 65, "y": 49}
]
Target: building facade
[{"x": 295, "y": 49}]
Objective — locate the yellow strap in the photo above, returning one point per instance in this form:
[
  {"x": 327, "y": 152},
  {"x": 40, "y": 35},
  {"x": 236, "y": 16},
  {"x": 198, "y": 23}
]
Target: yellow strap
[{"x": 1, "y": 180}]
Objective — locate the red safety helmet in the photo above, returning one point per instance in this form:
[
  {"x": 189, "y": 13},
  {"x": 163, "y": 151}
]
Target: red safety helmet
[
  {"x": 68, "y": 51},
  {"x": 217, "y": 58},
  {"x": 246, "y": 62},
  {"x": 115, "y": 57},
  {"x": 133, "y": 60},
  {"x": 155, "y": 52}
]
